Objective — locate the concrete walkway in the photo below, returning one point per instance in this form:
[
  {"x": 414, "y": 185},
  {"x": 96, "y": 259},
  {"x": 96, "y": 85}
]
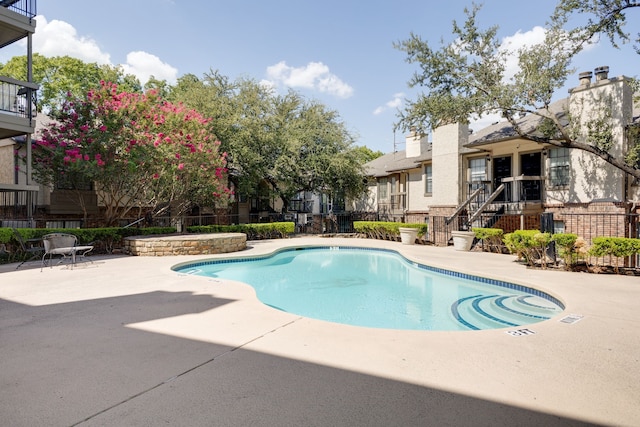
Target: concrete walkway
[{"x": 128, "y": 342}]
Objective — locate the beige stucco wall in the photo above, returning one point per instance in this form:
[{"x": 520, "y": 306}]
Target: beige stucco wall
[
  {"x": 592, "y": 178},
  {"x": 447, "y": 163},
  {"x": 416, "y": 144},
  {"x": 417, "y": 200},
  {"x": 7, "y": 169},
  {"x": 634, "y": 193},
  {"x": 6, "y": 162},
  {"x": 368, "y": 203}
]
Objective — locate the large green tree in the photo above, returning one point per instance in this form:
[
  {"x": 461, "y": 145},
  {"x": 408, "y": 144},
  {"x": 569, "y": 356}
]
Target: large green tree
[
  {"x": 140, "y": 150},
  {"x": 599, "y": 18},
  {"x": 277, "y": 145},
  {"x": 284, "y": 140},
  {"x": 466, "y": 77}
]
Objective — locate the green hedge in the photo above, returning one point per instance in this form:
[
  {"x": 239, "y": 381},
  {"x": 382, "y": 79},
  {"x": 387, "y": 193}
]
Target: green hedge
[
  {"x": 617, "y": 247},
  {"x": 103, "y": 238},
  {"x": 6, "y": 235},
  {"x": 386, "y": 230},
  {"x": 270, "y": 230}
]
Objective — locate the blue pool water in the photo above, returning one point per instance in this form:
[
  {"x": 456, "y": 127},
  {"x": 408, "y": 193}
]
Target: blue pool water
[{"x": 380, "y": 289}]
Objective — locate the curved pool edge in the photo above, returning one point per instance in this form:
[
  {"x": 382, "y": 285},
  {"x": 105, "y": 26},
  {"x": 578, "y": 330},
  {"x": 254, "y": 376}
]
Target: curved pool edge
[{"x": 489, "y": 279}]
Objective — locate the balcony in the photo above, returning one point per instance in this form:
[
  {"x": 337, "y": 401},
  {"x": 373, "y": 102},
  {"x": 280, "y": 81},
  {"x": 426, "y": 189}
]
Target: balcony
[
  {"x": 301, "y": 206},
  {"x": 398, "y": 202},
  {"x": 17, "y": 98},
  {"x": 394, "y": 207},
  {"x": 523, "y": 188},
  {"x": 16, "y": 20},
  {"x": 17, "y": 107},
  {"x": 521, "y": 193}
]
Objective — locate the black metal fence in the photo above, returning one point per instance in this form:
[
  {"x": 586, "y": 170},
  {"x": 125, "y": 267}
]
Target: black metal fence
[
  {"x": 339, "y": 223},
  {"x": 585, "y": 225},
  {"x": 440, "y": 229}
]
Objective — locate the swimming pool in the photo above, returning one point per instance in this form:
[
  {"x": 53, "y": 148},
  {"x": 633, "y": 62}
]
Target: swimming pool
[{"x": 379, "y": 288}]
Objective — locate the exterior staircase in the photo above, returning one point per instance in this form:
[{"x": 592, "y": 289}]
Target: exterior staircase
[{"x": 474, "y": 206}]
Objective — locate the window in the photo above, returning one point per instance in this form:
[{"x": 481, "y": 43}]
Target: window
[
  {"x": 558, "y": 226},
  {"x": 477, "y": 172},
  {"x": 383, "y": 190},
  {"x": 428, "y": 179},
  {"x": 478, "y": 169},
  {"x": 559, "y": 167}
]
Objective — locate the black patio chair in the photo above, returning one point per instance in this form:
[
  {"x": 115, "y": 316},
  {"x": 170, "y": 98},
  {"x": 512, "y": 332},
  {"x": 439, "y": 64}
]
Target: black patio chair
[{"x": 31, "y": 246}]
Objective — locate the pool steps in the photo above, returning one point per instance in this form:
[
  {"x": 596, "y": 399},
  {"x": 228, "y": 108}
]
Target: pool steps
[{"x": 493, "y": 311}]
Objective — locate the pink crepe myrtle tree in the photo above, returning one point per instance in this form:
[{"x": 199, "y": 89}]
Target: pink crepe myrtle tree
[{"x": 139, "y": 151}]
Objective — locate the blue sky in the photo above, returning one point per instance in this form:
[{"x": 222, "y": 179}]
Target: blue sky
[{"x": 339, "y": 52}]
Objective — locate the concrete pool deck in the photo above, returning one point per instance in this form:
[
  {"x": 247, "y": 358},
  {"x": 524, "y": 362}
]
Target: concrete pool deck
[{"x": 126, "y": 341}]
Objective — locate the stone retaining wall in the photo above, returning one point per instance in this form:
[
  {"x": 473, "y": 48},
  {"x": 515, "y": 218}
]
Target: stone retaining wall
[{"x": 185, "y": 244}]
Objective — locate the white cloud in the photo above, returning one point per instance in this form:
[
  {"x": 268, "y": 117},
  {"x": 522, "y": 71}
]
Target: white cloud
[
  {"x": 395, "y": 102},
  {"x": 144, "y": 65},
  {"x": 512, "y": 44},
  {"x": 59, "y": 38},
  {"x": 517, "y": 41},
  {"x": 526, "y": 39},
  {"x": 268, "y": 85},
  {"x": 314, "y": 76},
  {"x": 486, "y": 120}
]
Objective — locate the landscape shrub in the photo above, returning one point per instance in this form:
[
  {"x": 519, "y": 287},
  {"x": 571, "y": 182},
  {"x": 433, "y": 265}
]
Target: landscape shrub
[
  {"x": 269, "y": 230},
  {"x": 616, "y": 247},
  {"x": 386, "y": 230},
  {"x": 6, "y": 235},
  {"x": 491, "y": 238},
  {"x": 530, "y": 245},
  {"x": 570, "y": 248}
]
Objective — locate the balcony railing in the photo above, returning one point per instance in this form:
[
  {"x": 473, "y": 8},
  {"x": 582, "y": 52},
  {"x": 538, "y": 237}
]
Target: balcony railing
[
  {"x": 17, "y": 97},
  {"x": 303, "y": 206},
  {"x": 516, "y": 189},
  {"x": 399, "y": 201},
  {"x": 523, "y": 188},
  {"x": 23, "y": 7}
]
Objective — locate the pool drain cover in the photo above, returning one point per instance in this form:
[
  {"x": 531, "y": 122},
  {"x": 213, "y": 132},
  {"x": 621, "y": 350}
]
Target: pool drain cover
[{"x": 572, "y": 318}]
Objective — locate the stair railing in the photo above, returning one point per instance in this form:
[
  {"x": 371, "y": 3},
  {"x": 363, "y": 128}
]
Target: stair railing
[
  {"x": 489, "y": 200},
  {"x": 464, "y": 205}
]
